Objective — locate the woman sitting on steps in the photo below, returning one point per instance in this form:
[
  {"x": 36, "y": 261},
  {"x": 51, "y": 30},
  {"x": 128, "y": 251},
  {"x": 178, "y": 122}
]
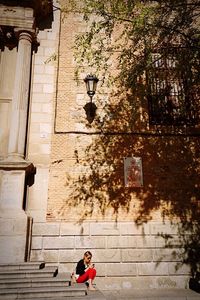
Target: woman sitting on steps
[{"x": 85, "y": 271}]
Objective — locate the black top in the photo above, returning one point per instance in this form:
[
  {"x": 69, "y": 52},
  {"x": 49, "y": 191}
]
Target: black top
[{"x": 80, "y": 268}]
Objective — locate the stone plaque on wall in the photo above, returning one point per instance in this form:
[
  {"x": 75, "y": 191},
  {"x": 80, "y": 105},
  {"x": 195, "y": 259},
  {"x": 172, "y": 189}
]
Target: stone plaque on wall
[{"x": 133, "y": 176}]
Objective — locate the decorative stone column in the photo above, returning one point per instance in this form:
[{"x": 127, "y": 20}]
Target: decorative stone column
[
  {"x": 15, "y": 172},
  {"x": 18, "y": 127}
]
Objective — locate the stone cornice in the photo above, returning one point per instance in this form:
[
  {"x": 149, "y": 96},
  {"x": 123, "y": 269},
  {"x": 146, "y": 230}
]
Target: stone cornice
[{"x": 42, "y": 11}]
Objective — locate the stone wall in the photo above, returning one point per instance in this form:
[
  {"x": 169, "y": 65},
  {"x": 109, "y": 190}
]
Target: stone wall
[
  {"x": 41, "y": 120},
  {"x": 125, "y": 255},
  {"x": 80, "y": 169}
]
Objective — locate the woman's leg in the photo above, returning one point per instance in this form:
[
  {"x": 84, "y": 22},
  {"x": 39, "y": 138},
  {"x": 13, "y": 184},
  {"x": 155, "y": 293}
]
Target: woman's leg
[{"x": 88, "y": 275}]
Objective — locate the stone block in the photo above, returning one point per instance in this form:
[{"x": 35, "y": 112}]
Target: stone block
[
  {"x": 107, "y": 255},
  {"x": 39, "y": 69},
  {"x": 141, "y": 282},
  {"x": 36, "y": 243},
  {"x": 101, "y": 269},
  {"x": 122, "y": 269},
  {"x": 49, "y": 70},
  {"x": 37, "y": 87},
  {"x": 179, "y": 269},
  {"x": 121, "y": 242},
  {"x": 43, "y": 78},
  {"x": 130, "y": 228},
  {"x": 108, "y": 283},
  {"x": 46, "y": 229},
  {"x": 48, "y": 43},
  {"x": 171, "y": 282},
  {"x": 89, "y": 242},
  {"x": 51, "y": 255},
  {"x": 162, "y": 242},
  {"x": 163, "y": 228},
  {"x": 48, "y": 88},
  {"x": 42, "y": 97},
  {"x": 36, "y": 107},
  {"x": 117, "y": 283},
  {"x": 145, "y": 241},
  {"x": 104, "y": 228},
  {"x": 167, "y": 255},
  {"x": 19, "y": 225},
  {"x": 58, "y": 242},
  {"x": 40, "y": 51},
  {"x": 12, "y": 248},
  {"x": 47, "y": 108},
  {"x": 45, "y": 127},
  {"x": 38, "y": 215},
  {"x": 41, "y": 117},
  {"x": 6, "y": 228},
  {"x": 37, "y": 255},
  {"x": 39, "y": 191},
  {"x": 49, "y": 51},
  {"x": 149, "y": 269},
  {"x": 129, "y": 255},
  {"x": 66, "y": 267},
  {"x": 74, "y": 229},
  {"x": 45, "y": 148},
  {"x": 71, "y": 256},
  {"x": 42, "y": 35}
]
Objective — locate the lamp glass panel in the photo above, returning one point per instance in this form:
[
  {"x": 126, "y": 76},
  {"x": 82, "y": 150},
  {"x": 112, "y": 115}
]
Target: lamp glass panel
[{"x": 90, "y": 85}]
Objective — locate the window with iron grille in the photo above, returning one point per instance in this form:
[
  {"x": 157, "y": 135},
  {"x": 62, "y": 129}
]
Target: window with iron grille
[{"x": 170, "y": 93}]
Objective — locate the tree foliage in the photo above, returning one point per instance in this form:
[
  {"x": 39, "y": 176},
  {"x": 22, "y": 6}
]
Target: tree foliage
[{"x": 128, "y": 31}]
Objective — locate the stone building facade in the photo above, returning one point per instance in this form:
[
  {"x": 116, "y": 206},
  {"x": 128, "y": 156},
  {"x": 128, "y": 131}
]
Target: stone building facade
[{"x": 78, "y": 200}]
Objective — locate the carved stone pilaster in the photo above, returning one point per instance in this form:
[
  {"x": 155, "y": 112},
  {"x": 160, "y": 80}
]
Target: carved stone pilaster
[{"x": 20, "y": 100}]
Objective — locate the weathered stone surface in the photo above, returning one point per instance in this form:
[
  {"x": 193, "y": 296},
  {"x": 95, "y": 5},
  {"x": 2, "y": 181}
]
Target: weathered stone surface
[
  {"x": 58, "y": 242},
  {"x": 89, "y": 242},
  {"x": 70, "y": 256},
  {"x": 136, "y": 255},
  {"x": 12, "y": 248},
  {"x": 160, "y": 228},
  {"x": 139, "y": 282},
  {"x": 124, "y": 269},
  {"x": 36, "y": 242},
  {"x": 150, "y": 268},
  {"x": 167, "y": 255},
  {"x": 107, "y": 255},
  {"x": 131, "y": 228},
  {"x": 6, "y": 228},
  {"x": 178, "y": 269},
  {"x": 50, "y": 256},
  {"x": 145, "y": 241},
  {"x": 104, "y": 228},
  {"x": 121, "y": 241},
  {"x": 74, "y": 229},
  {"x": 46, "y": 229}
]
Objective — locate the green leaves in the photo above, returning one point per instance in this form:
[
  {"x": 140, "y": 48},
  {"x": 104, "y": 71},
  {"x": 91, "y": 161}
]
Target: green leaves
[{"x": 123, "y": 31}]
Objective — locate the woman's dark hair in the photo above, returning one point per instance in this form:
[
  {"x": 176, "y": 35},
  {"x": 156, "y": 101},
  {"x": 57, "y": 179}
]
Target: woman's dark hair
[{"x": 88, "y": 253}]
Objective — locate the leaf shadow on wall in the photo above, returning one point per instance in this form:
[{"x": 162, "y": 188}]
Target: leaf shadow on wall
[{"x": 171, "y": 172}]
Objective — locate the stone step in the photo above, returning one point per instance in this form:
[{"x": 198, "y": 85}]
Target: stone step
[
  {"x": 43, "y": 292},
  {"x": 96, "y": 295},
  {"x": 34, "y": 282},
  {"x": 46, "y": 272},
  {"x": 22, "y": 266}
]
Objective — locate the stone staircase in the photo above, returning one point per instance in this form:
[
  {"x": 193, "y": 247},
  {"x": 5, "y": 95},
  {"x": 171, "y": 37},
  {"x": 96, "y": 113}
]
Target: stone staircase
[{"x": 34, "y": 280}]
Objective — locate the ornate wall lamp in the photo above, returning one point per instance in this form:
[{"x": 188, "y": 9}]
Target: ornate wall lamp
[{"x": 91, "y": 85}]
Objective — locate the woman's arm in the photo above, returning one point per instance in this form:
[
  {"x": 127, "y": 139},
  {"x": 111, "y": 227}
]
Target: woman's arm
[{"x": 80, "y": 268}]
